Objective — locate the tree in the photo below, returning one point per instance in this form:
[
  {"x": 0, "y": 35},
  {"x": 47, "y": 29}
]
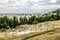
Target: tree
[
  {"x": 15, "y": 22},
  {"x": 23, "y": 20},
  {"x": 4, "y": 19},
  {"x": 42, "y": 19},
  {"x": 31, "y": 19},
  {"x": 3, "y": 22},
  {"x": 58, "y": 17},
  {"x": 10, "y": 23},
  {"x": 4, "y": 25},
  {"x": 0, "y": 19},
  {"x": 35, "y": 22},
  {"x": 53, "y": 17}
]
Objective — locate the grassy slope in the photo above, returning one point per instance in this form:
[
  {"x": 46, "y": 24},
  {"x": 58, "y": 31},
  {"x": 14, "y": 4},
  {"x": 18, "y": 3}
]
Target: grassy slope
[
  {"x": 48, "y": 35},
  {"x": 38, "y": 35}
]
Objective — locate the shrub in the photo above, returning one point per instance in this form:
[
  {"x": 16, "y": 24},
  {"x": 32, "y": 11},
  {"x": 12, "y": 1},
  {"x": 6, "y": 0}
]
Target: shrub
[
  {"x": 34, "y": 22},
  {"x": 23, "y": 20},
  {"x": 31, "y": 19},
  {"x": 4, "y": 19},
  {"x": 4, "y": 25},
  {"x": 10, "y": 23}
]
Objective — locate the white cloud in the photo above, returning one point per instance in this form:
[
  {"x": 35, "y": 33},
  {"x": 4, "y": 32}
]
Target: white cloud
[
  {"x": 35, "y": 0},
  {"x": 28, "y": 4},
  {"x": 53, "y": 1},
  {"x": 23, "y": 3},
  {"x": 3, "y": 1}
]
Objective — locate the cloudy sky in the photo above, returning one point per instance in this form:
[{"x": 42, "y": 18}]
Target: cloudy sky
[{"x": 28, "y": 6}]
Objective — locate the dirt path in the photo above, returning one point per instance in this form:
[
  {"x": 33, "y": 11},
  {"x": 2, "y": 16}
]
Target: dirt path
[{"x": 38, "y": 34}]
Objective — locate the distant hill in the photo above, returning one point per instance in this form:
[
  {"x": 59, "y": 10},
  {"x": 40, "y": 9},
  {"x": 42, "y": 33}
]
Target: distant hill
[
  {"x": 53, "y": 12},
  {"x": 56, "y": 11}
]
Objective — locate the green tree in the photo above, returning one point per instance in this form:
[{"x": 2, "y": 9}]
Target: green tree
[
  {"x": 4, "y": 25},
  {"x": 10, "y": 23},
  {"x": 23, "y": 20},
  {"x": 35, "y": 22},
  {"x": 0, "y": 19},
  {"x": 15, "y": 22},
  {"x": 31, "y": 19},
  {"x": 58, "y": 17},
  {"x": 4, "y": 19}
]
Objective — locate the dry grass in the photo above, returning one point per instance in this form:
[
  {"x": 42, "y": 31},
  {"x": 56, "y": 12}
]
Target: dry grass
[
  {"x": 45, "y": 36},
  {"x": 5, "y": 36},
  {"x": 53, "y": 35}
]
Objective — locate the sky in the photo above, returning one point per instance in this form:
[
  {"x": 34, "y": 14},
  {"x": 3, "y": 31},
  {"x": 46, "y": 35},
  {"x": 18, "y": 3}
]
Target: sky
[{"x": 28, "y": 6}]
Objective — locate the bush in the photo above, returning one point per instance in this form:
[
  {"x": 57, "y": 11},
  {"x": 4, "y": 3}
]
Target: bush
[
  {"x": 42, "y": 19},
  {"x": 23, "y": 20},
  {"x": 31, "y": 19},
  {"x": 4, "y": 25},
  {"x": 4, "y": 19},
  {"x": 34, "y": 22},
  {"x": 10, "y": 23}
]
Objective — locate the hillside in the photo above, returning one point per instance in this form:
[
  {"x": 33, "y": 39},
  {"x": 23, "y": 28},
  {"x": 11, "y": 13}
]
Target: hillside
[
  {"x": 31, "y": 27},
  {"x": 58, "y": 10},
  {"x": 52, "y": 33}
]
